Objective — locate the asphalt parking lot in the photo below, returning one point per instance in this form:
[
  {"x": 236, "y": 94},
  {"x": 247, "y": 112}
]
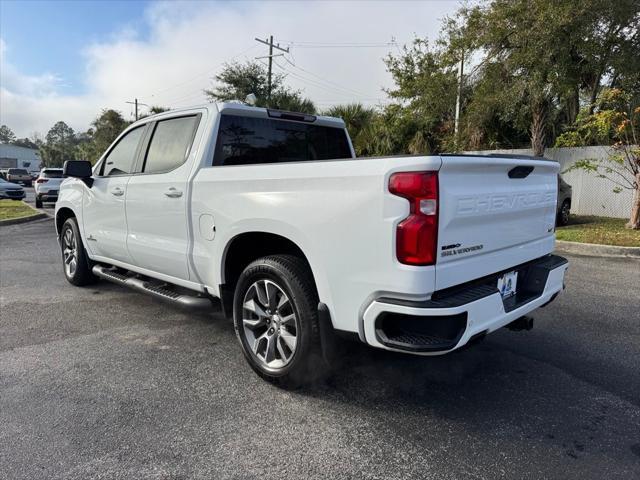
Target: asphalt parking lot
[
  {"x": 105, "y": 382},
  {"x": 30, "y": 198}
]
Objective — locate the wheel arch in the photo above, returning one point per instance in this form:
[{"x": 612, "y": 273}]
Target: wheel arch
[
  {"x": 249, "y": 246},
  {"x": 246, "y": 247},
  {"x": 62, "y": 215}
]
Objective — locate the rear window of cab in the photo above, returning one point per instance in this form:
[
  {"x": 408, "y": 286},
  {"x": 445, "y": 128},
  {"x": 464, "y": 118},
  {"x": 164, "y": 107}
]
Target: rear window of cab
[{"x": 249, "y": 140}]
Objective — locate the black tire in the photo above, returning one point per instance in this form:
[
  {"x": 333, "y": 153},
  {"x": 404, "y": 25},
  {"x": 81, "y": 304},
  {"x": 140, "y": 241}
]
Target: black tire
[
  {"x": 38, "y": 202},
  {"x": 80, "y": 275},
  {"x": 291, "y": 275},
  {"x": 563, "y": 214},
  {"x": 29, "y": 184}
]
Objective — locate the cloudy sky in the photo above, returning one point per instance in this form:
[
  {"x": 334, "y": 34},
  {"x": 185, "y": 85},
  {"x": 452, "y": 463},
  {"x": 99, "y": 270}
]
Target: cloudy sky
[{"x": 66, "y": 61}]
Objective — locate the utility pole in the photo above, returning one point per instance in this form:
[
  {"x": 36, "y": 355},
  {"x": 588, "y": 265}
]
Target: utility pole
[
  {"x": 459, "y": 99},
  {"x": 136, "y": 103},
  {"x": 270, "y": 57}
]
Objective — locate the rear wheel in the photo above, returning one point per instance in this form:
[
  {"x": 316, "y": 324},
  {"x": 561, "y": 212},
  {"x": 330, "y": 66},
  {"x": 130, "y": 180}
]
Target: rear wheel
[
  {"x": 563, "y": 215},
  {"x": 276, "y": 320},
  {"x": 75, "y": 263},
  {"x": 38, "y": 202}
]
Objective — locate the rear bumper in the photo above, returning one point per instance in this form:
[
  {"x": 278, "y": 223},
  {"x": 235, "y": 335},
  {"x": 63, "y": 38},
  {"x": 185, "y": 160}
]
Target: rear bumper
[
  {"x": 48, "y": 197},
  {"x": 457, "y": 315}
]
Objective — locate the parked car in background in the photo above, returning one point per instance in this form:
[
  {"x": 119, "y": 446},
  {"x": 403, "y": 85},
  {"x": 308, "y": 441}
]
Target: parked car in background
[
  {"x": 564, "y": 201},
  {"x": 18, "y": 175},
  {"x": 10, "y": 190},
  {"x": 47, "y": 185}
]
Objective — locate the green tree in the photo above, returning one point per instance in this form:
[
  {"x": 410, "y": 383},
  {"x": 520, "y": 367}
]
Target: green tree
[
  {"x": 237, "y": 80},
  {"x": 426, "y": 85},
  {"x": 614, "y": 120},
  {"x": 60, "y": 145},
  {"x": 531, "y": 65},
  {"x": 357, "y": 118},
  {"x": 155, "y": 109},
  {"x": 541, "y": 56},
  {"x": 26, "y": 143},
  {"x": 6, "y": 135},
  {"x": 104, "y": 130}
]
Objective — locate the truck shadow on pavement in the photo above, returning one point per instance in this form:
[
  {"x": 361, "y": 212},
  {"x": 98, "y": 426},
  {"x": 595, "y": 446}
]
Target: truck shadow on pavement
[{"x": 493, "y": 392}]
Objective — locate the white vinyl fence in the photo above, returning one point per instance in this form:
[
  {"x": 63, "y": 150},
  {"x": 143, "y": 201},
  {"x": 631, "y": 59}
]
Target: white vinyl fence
[{"x": 591, "y": 195}]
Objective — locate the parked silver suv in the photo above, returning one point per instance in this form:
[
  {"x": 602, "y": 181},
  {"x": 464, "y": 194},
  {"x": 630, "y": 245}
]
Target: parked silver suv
[{"x": 47, "y": 185}]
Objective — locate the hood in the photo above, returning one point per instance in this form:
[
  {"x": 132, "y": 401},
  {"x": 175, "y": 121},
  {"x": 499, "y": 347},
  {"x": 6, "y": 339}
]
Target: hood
[{"x": 10, "y": 186}]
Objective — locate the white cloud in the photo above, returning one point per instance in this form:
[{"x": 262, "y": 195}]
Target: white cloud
[{"x": 188, "y": 42}]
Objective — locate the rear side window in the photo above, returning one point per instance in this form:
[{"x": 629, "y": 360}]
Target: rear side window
[
  {"x": 246, "y": 140},
  {"x": 170, "y": 144},
  {"x": 121, "y": 158}
]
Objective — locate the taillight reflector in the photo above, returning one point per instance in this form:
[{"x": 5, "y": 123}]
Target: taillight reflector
[{"x": 417, "y": 235}]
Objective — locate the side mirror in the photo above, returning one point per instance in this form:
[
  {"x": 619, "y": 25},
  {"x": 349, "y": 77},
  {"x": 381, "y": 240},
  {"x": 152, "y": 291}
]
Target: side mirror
[{"x": 77, "y": 169}]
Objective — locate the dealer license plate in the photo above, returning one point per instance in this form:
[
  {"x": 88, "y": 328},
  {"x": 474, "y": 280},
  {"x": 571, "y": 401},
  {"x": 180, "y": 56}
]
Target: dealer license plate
[{"x": 507, "y": 284}]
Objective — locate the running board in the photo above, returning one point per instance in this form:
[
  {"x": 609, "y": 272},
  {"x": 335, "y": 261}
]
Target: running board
[{"x": 163, "y": 291}]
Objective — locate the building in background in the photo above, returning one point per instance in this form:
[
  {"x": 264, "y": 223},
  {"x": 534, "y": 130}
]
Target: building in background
[{"x": 12, "y": 156}]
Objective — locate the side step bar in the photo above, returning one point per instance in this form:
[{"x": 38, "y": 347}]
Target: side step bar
[{"x": 160, "y": 290}]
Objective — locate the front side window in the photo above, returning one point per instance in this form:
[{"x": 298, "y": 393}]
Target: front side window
[
  {"x": 247, "y": 140},
  {"x": 121, "y": 158},
  {"x": 170, "y": 144}
]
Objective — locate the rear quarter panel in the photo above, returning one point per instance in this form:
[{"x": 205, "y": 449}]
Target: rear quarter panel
[{"x": 339, "y": 213}]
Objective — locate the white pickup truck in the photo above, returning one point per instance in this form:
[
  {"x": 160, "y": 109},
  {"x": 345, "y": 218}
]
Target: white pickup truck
[{"x": 271, "y": 213}]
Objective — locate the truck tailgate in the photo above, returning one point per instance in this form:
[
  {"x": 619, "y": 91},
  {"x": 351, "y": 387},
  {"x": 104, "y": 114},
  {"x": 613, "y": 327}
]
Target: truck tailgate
[{"x": 494, "y": 213}]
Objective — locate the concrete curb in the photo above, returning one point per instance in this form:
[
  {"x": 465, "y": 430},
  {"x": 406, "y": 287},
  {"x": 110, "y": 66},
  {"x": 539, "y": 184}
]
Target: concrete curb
[
  {"x": 597, "y": 250},
  {"x": 30, "y": 218}
]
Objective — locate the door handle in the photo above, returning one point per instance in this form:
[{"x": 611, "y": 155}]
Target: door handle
[
  {"x": 117, "y": 191},
  {"x": 173, "y": 193}
]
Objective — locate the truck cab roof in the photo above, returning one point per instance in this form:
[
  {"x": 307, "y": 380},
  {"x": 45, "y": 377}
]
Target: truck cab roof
[{"x": 237, "y": 108}]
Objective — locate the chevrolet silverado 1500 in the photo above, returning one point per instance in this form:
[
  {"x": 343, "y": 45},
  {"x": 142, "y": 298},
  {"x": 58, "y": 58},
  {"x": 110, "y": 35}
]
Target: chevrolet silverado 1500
[{"x": 270, "y": 213}]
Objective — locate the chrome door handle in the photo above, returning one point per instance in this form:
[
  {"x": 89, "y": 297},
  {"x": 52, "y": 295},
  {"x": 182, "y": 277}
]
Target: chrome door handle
[
  {"x": 117, "y": 191},
  {"x": 173, "y": 193}
]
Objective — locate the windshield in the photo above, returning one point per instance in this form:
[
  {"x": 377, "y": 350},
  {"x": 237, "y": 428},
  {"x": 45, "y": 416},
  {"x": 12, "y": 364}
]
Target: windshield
[{"x": 17, "y": 171}]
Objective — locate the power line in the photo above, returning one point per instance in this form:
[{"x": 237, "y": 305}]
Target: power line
[
  {"x": 136, "y": 103},
  {"x": 324, "y": 79},
  {"x": 301, "y": 44},
  {"x": 208, "y": 72},
  {"x": 270, "y": 57},
  {"x": 340, "y": 91}
]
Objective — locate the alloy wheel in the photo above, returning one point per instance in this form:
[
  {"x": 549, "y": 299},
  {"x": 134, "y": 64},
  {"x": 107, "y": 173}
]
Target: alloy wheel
[
  {"x": 269, "y": 324},
  {"x": 69, "y": 252},
  {"x": 564, "y": 213}
]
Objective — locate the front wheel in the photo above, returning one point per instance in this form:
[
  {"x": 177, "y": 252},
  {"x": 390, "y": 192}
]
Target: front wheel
[
  {"x": 276, "y": 320},
  {"x": 75, "y": 262}
]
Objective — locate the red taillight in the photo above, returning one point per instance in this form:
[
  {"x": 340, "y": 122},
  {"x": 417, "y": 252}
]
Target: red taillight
[
  {"x": 42, "y": 180},
  {"x": 417, "y": 235}
]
